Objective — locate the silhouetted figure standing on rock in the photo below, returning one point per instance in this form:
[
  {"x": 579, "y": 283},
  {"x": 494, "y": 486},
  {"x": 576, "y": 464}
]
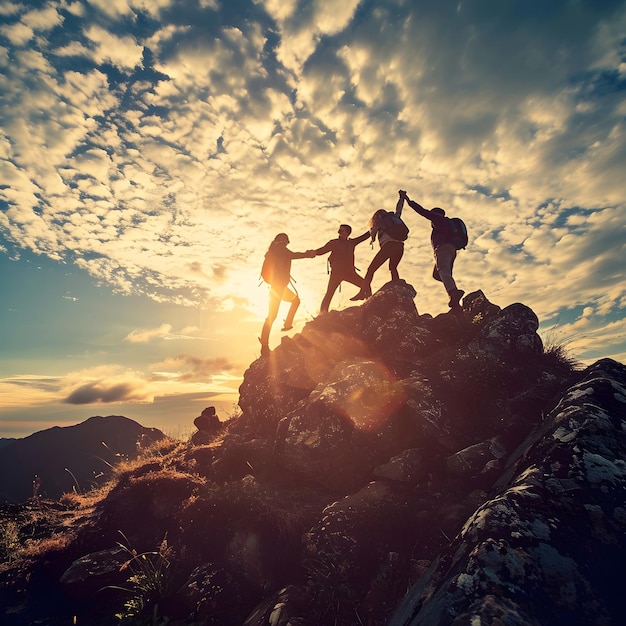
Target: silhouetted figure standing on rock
[
  {"x": 277, "y": 272},
  {"x": 341, "y": 261},
  {"x": 445, "y": 242},
  {"x": 391, "y": 245}
]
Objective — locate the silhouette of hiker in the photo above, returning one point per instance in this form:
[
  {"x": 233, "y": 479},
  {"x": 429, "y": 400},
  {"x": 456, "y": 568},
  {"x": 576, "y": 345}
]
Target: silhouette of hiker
[
  {"x": 444, "y": 250},
  {"x": 341, "y": 261},
  {"x": 276, "y": 271},
  {"x": 390, "y": 248}
]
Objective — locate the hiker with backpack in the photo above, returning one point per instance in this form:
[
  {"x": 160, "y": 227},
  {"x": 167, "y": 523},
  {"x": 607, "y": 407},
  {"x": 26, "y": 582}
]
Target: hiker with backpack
[
  {"x": 392, "y": 232},
  {"x": 341, "y": 261},
  {"x": 276, "y": 271},
  {"x": 448, "y": 235}
]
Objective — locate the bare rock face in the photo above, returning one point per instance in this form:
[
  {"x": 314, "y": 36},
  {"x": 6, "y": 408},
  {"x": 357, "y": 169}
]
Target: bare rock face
[
  {"x": 208, "y": 425},
  {"x": 361, "y": 385},
  {"x": 548, "y": 547}
]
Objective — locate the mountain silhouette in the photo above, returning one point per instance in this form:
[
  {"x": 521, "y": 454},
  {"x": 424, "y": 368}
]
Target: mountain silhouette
[
  {"x": 387, "y": 467},
  {"x": 61, "y": 459}
]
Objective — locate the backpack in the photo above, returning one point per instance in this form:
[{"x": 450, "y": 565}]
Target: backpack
[
  {"x": 395, "y": 227},
  {"x": 458, "y": 233},
  {"x": 267, "y": 269}
]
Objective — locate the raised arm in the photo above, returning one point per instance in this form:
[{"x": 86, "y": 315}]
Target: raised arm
[
  {"x": 402, "y": 197},
  {"x": 435, "y": 217},
  {"x": 361, "y": 238}
]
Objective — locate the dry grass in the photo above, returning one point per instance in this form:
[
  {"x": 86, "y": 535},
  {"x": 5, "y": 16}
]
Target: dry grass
[
  {"x": 9, "y": 541},
  {"x": 558, "y": 357},
  {"x": 162, "y": 452},
  {"x": 39, "y": 526}
]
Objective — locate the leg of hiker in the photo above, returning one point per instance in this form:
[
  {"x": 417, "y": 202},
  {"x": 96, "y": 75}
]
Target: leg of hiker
[
  {"x": 381, "y": 256},
  {"x": 292, "y": 297},
  {"x": 333, "y": 282},
  {"x": 275, "y": 298},
  {"x": 396, "y": 252},
  {"x": 354, "y": 279},
  {"x": 444, "y": 259}
]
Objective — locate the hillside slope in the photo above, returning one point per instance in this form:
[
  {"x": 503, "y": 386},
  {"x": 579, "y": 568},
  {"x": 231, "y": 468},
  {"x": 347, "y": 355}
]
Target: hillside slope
[{"x": 387, "y": 467}]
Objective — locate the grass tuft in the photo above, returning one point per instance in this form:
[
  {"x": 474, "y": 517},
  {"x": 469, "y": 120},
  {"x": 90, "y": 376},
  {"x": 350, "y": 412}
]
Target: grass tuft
[{"x": 149, "y": 580}]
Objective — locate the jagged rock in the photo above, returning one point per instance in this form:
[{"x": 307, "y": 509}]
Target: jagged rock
[
  {"x": 407, "y": 467},
  {"x": 381, "y": 450},
  {"x": 548, "y": 548},
  {"x": 472, "y": 460},
  {"x": 350, "y": 543},
  {"x": 92, "y": 572},
  {"x": 208, "y": 425},
  {"x": 273, "y": 386},
  {"x": 390, "y": 324},
  {"x": 478, "y": 309},
  {"x": 512, "y": 333},
  {"x": 337, "y": 436}
]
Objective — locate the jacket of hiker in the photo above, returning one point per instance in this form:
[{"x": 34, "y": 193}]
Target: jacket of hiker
[
  {"x": 341, "y": 257},
  {"x": 441, "y": 230},
  {"x": 383, "y": 235},
  {"x": 281, "y": 265}
]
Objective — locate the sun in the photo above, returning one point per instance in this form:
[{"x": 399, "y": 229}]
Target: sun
[{"x": 255, "y": 295}]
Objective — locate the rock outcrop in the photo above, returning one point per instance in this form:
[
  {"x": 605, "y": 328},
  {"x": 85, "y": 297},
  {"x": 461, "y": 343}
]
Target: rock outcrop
[
  {"x": 381, "y": 450},
  {"x": 548, "y": 546}
]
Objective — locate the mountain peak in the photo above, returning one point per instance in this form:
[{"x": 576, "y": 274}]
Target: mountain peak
[{"x": 387, "y": 467}]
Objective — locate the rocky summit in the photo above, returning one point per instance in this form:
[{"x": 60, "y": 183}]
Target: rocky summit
[{"x": 387, "y": 467}]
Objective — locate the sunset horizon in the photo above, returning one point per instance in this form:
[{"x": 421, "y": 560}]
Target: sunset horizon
[{"x": 150, "y": 152}]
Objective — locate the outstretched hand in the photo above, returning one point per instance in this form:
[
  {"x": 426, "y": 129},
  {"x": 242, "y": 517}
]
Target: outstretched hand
[
  {"x": 402, "y": 194},
  {"x": 311, "y": 254}
]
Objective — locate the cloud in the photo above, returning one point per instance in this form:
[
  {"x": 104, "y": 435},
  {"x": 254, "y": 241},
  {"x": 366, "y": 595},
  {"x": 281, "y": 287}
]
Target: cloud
[
  {"x": 163, "y": 156},
  {"x": 164, "y": 331},
  {"x": 104, "y": 384},
  {"x": 189, "y": 368},
  {"x": 109, "y": 384},
  {"x": 104, "y": 392},
  {"x": 144, "y": 336},
  {"x": 123, "y": 52}
]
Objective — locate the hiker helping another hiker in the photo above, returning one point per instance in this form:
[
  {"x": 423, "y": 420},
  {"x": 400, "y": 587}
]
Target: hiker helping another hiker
[
  {"x": 448, "y": 235},
  {"x": 276, "y": 271},
  {"x": 392, "y": 233},
  {"x": 341, "y": 262}
]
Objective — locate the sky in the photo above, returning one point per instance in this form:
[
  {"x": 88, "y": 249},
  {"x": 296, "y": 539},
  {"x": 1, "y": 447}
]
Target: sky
[{"x": 150, "y": 150}]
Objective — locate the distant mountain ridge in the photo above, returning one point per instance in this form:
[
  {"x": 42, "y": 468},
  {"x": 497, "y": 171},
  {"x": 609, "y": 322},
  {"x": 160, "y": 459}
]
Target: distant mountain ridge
[{"x": 51, "y": 462}]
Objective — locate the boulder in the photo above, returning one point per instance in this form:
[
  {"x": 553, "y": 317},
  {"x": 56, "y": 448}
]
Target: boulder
[{"x": 548, "y": 547}]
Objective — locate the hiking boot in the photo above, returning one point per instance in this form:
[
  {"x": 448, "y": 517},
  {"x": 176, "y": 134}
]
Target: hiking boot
[
  {"x": 362, "y": 295},
  {"x": 455, "y": 298},
  {"x": 287, "y": 327}
]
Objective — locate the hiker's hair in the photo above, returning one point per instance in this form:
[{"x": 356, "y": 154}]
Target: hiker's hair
[
  {"x": 377, "y": 218},
  {"x": 347, "y": 227},
  {"x": 438, "y": 210},
  {"x": 278, "y": 240}
]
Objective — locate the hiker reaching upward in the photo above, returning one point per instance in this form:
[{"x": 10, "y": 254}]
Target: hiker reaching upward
[
  {"x": 341, "y": 261},
  {"x": 391, "y": 232},
  {"x": 445, "y": 240},
  {"x": 277, "y": 272}
]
